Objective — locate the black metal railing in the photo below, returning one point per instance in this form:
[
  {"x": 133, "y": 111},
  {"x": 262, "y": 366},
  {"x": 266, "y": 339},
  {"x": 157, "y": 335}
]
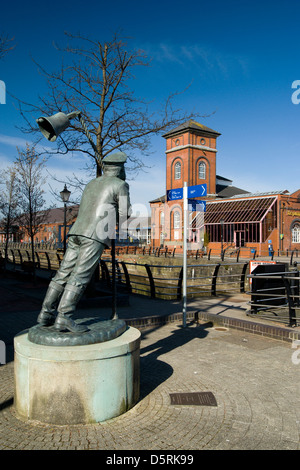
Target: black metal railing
[
  {"x": 154, "y": 280},
  {"x": 229, "y": 252},
  {"x": 21, "y": 259},
  {"x": 165, "y": 281},
  {"x": 280, "y": 302},
  {"x": 275, "y": 296}
]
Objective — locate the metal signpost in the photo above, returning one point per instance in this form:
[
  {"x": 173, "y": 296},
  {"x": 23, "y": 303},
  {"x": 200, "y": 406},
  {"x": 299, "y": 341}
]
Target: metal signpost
[
  {"x": 185, "y": 193},
  {"x": 192, "y": 191},
  {"x": 185, "y": 224}
]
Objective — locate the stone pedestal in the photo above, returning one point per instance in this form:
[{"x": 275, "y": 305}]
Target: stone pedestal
[{"x": 76, "y": 384}]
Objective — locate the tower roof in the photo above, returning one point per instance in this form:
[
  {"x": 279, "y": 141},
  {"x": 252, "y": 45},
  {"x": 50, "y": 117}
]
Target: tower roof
[{"x": 193, "y": 126}]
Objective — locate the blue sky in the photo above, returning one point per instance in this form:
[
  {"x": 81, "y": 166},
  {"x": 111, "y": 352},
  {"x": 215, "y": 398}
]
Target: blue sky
[{"x": 240, "y": 59}]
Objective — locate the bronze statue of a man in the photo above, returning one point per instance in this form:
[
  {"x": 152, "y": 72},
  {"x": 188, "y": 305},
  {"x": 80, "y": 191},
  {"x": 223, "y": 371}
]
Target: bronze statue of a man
[{"x": 103, "y": 199}]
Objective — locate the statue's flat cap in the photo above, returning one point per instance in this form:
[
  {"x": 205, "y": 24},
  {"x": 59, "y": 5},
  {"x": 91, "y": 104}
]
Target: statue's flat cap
[{"x": 115, "y": 158}]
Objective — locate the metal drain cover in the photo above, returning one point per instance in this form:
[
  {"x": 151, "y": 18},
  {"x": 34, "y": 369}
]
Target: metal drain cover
[{"x": 194, "y": 398}]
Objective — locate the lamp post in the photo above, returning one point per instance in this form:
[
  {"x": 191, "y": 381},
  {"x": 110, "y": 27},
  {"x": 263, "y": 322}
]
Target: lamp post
[{"x": 65, "y": 195}]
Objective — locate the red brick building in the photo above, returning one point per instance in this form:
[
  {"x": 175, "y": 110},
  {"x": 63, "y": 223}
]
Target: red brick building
[
  {"x": 234, "y": 218},
  {"x": 51, "y": 231}
]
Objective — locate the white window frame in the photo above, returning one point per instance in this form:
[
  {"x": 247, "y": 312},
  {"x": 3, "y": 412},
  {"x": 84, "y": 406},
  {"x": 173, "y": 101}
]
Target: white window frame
[
  {"x": 176, "y": 219},
  {"x": 177, "y": 171},
  {"x": 202, "y": 170},
  {"x": 296, "y": 233}
]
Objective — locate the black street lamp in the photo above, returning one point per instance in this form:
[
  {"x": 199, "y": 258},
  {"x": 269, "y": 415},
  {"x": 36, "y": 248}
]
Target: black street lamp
[{"x": 65, "y": 195}]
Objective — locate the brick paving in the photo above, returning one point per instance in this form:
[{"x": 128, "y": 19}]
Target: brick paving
[{"x": 252, "y": 376}]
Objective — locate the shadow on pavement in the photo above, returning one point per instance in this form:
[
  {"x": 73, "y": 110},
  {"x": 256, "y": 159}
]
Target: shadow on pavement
[{"x": 154, "y": 371}]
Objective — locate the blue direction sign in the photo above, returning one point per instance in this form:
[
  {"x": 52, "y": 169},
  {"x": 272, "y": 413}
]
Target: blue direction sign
[
  {"x": 196, "y": 205},
  {"x": 199, "y": 190},
  {"x": 174, "y": 194}
]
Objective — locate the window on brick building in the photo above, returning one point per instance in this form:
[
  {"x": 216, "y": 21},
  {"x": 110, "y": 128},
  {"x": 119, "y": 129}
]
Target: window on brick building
[
  {"x": 177, "y": 170},
  {"x": 296, "y": 233},
  {"x": 202, "y": 170},
  {"x": 176, "y": 219},
  {"x": 162, "y": 218}
]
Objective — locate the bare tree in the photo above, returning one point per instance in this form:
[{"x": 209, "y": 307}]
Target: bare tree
[
  {"x": 99, "y": 83},
  {"x": 29, "y": 166},
  {"x": 5, "y": 45},
  {"x": 9, "y": 204}
]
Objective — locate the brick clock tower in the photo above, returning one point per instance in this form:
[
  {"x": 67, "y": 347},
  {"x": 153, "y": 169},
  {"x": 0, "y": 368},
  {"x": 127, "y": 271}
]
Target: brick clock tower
[{"x": 191, "y": 158}]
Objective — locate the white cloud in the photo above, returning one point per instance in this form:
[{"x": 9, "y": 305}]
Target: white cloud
[
  {"x": 60, "y": 169},
  {"x": 8, "y": 152},
  {"x": 144, "y": 188},
  {"x": 167, "y": 52},
  {"x": 205, "y": 60},
  {"x": 147, "y": 186},
  {"x": 4, "y": 161},
  {"x": 13, "y": 141}
]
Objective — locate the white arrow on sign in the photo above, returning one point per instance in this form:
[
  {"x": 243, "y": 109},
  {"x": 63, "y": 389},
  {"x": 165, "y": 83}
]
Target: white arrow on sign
[{"x": 197, "y": 191}]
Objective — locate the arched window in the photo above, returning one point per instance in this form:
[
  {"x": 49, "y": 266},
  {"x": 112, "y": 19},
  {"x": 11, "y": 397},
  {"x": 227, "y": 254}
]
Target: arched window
[
  {"x": 177, "y": 171},
  {"x": 296, "y": 233},
  {"x": 162, "y": 218},
  {"x": 202, "y": 170},
  {"x": 176, "y": 219}
]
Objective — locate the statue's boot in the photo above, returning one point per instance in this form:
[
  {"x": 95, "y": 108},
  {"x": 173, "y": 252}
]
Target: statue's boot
[
  {"x": 47, "y": 314},
  {"x": 66, "y": 308}
]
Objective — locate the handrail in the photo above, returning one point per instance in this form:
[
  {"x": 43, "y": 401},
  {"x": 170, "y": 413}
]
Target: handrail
[
  {"x": 168, "y": 284},
  {"x": 165, "y": 280},
  {"x": 151, "y": 280},
  {"x": 229, "y": 251},
  {"x": 282, "y": 295}
]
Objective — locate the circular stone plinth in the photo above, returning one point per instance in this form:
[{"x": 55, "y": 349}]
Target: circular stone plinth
[
  {"x": 98, "y": 332},
  {"x": 76, "y": 384}
]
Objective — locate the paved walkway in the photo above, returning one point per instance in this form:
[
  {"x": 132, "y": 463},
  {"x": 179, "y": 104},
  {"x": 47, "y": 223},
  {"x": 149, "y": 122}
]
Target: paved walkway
[{"x": 254, "y": 378}]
